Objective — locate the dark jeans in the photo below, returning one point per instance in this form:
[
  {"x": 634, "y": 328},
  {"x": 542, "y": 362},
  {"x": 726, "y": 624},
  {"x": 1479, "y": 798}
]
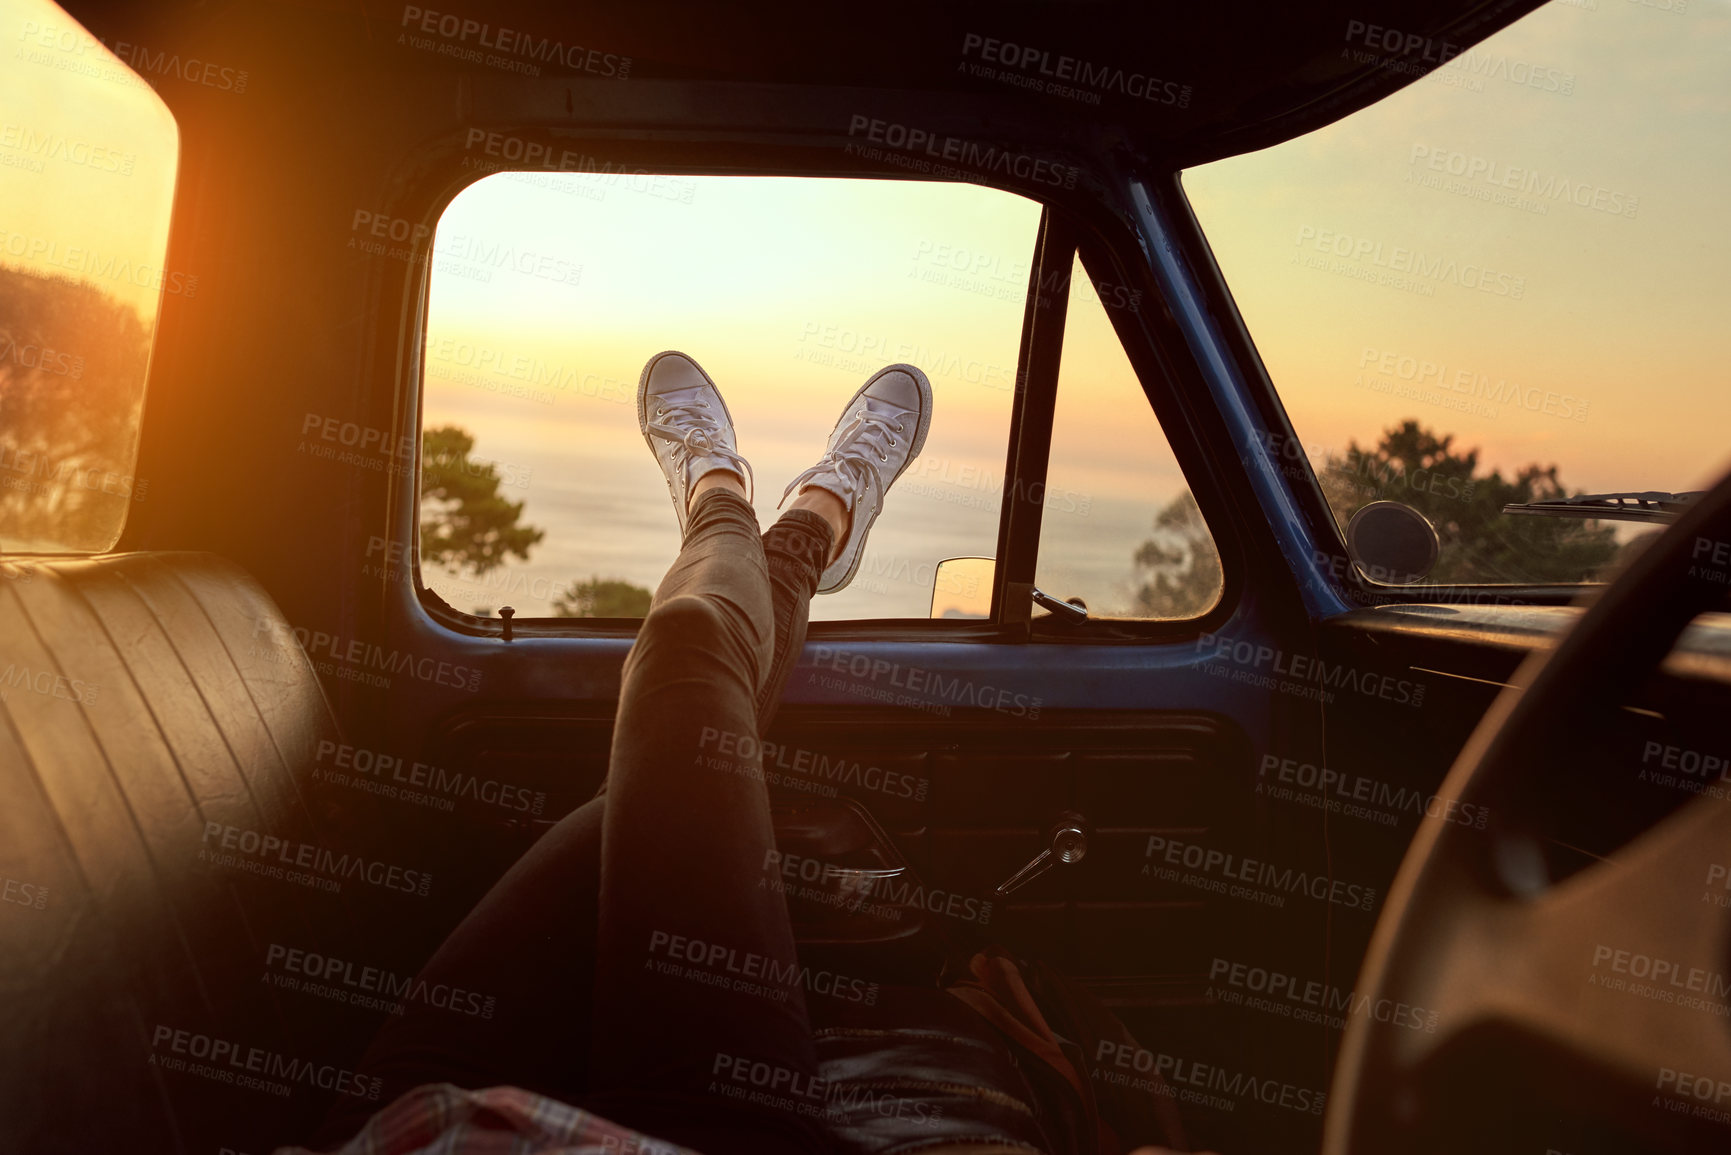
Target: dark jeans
[{"x": 643, "y": 966}]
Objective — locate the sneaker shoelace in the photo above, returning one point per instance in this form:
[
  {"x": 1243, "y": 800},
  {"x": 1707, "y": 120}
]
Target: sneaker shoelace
[
  {"x": 854, "y": 459},
  {"x": 698, "y": 438}
]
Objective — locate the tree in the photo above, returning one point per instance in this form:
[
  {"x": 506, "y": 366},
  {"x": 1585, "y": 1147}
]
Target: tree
[
  {"x": 465, "y": 524},
  {"x": 1177, "y": 571},
  {"x": 602, "y": 599},
  {"x": 72, "y": 365},
  {"x": 1479, "y": 542}
]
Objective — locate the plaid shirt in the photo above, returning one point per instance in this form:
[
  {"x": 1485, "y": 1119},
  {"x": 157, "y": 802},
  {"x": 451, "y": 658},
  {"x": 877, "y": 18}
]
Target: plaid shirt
[{"x": 439, "y": 1119}]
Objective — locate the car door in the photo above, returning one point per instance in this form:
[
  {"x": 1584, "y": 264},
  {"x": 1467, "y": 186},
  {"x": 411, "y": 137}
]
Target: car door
[{"x": 1113, "y": 764}]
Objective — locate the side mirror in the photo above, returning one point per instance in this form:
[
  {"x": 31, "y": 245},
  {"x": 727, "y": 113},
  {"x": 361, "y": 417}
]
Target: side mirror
[
  {"x": 1392, "y": 542},
  {"x": 962, "y": 587}
]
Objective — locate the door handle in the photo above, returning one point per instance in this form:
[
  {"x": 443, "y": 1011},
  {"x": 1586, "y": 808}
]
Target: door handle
[{"x": 1067, "y": 845}]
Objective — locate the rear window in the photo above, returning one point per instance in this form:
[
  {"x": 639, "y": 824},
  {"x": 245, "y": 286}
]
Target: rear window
[{"x": 87, "y": 167}]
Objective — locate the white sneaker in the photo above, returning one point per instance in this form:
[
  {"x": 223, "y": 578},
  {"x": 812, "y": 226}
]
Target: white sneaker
[
  {"x": 882, "y": 429},
  {"x": 687, "y": 426}
]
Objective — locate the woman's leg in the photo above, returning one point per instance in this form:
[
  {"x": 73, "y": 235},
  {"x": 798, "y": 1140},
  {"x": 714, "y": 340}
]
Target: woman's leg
[
  {"x": 529, "y": 945},
  {"x": 700, "y": 1028},
  {"x": 530, "y": 942},
  {"x": 699, "y": 1002},
  {"x": 796, "y": 548},
  {"x": 728, "y": 623}
]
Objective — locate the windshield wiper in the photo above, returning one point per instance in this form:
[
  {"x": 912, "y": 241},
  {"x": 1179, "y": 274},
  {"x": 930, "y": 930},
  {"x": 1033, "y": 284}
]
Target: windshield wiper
[{"x": 1653, "y": 505}]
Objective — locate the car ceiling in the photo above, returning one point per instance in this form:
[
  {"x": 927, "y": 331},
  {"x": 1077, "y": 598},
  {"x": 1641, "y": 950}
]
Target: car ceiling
[{"x": 1256, "y": 73}]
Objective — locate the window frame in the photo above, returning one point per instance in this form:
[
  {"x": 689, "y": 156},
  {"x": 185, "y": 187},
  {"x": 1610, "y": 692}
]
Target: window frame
[
  {"x": 168, "y": 287},
  {"x": 1062, "y": 234},
  {"x": 1340, "y": 575}
]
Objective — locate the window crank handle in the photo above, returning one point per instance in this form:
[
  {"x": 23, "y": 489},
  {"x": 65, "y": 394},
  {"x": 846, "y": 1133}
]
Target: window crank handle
[{"x": 1069, "y": 845}]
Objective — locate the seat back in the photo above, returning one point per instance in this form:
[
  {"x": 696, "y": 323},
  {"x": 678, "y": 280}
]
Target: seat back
[{"x": 158, "y": 734}]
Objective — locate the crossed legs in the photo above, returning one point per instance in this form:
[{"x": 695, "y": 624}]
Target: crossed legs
[
  {"x": 570, "y": 939},
  {"x": 587, "y": 942}
]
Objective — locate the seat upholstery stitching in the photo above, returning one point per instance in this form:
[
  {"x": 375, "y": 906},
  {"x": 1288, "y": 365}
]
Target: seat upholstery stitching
[{"x": 164, "y": 1098}]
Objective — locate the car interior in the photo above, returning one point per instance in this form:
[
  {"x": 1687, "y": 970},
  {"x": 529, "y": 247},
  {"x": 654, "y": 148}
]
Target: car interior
[{"x": 1379, "y": 795}]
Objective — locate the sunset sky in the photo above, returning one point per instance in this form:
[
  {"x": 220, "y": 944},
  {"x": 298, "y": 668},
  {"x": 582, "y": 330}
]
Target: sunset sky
[
  {"x": 1594, "y": 192},
  {"x": 81, "y": 135},
  {"x": 1627, "y": 312},
  {"x": 1608, "y": 291}
]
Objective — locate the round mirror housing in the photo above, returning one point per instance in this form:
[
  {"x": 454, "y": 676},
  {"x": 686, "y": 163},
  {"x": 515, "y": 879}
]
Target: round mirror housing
[{"x": 1392, "y": 542}]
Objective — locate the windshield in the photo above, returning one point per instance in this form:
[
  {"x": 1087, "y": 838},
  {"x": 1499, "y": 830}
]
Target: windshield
[{"x": 1503, "y": 285}]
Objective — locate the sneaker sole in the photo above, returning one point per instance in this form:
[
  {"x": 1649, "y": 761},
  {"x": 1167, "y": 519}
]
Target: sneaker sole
[
  {"x": 679, "y": 507},
  {"x": 856, "y": 546}
]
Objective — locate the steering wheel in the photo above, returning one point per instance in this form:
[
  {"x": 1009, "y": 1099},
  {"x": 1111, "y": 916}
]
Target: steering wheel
[{"x": 1574, "y": 1011}]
